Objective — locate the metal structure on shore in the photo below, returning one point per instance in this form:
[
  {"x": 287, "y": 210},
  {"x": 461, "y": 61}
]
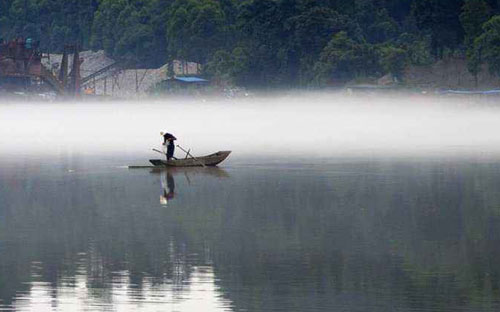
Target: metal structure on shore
[{"x": 22, "y": 70}]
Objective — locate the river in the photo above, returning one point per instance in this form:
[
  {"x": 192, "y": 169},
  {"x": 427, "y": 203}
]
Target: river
[{"x": 335, "y": 205}]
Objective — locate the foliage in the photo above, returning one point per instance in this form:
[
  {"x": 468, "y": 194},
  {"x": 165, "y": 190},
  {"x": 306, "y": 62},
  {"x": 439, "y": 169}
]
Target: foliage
[
  {"x": 487, "y": 45},
  {"x": 125, "y": 29},
  {"x": 417, "y": 48},
  {"x": 394, "y": 60},
  {"x": 262, "y": 42},
  {"x": 227, "y": 67},
  {"x": 344, "y": 59},
  {"x": 195, "y": 29},
  {"x": 440, "y": 20},
  {"x": 474, "y": 14},
  {"x": 474, "y": 62}
]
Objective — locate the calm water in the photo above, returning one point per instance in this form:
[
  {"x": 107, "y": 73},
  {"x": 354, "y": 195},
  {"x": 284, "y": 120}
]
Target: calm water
[
  {"x": 254, "y": 235},
  {"x": 328, "y": 203}
]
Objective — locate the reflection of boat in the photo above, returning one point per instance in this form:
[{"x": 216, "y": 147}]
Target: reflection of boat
[
  {"x": 168, "y": 183},
  {"x": 209, "y": 160},
  {"x": 209, "y": 171}
]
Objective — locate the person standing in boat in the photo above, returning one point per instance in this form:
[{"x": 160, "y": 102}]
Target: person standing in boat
[{"x": 168, "y": 143}]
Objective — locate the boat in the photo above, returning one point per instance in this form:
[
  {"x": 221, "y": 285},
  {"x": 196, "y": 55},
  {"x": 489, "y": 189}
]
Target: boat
[{"x": 209, "y": 160}]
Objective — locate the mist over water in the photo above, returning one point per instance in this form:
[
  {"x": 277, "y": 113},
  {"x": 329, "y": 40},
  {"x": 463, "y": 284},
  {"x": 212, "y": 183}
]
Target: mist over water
[
  {"x": 313, "y": 211},
  {"x": 293, "y": 125}
]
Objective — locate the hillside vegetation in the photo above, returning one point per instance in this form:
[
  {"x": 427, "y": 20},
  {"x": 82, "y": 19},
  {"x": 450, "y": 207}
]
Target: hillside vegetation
[{"x": 269, "y": 42}]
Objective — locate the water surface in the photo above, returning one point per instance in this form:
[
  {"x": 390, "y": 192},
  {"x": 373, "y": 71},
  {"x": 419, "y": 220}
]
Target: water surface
[
  {"x": 356, "y": 236},
  {"x": 330, "y": 204}
]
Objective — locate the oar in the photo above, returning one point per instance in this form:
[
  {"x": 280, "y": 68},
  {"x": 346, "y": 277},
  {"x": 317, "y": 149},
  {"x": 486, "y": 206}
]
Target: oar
[
  {"x": 154, "y": 149},
  {"x": 187, "y": 153}
]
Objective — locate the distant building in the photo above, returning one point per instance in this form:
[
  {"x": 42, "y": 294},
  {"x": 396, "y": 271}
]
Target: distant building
[
  {"x": 185, "y": 83},
  {"x": 189, "y": 80},
  {"x": 182, "y": 85},
  {"x": 183, "y": 68}
]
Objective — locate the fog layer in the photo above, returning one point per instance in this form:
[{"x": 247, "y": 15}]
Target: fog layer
[{"x": 310, "y": 125}]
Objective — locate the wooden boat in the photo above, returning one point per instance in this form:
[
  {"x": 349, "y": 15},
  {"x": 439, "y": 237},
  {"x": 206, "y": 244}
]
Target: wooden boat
[{"x": 209, "y": 160}]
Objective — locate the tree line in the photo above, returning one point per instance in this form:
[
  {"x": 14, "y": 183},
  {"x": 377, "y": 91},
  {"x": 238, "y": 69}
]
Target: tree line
[{"x": 268, "y": 42}]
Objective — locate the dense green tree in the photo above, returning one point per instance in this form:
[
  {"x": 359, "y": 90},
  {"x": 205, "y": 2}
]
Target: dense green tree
[
  {"x": 135, "y": 43},
  {"x": 312, "y": 29},
  {"x": 439, "y": 19},
  {"x": 398, "y": 9},
  {"x": 418, "y": 48},
  {"x": 344, "y": 59},
  {"x": 264, "y": 35},
  {"x": 104, "y": 32},
  {"x": 494, "y": 5},
  {"x": 487, "y": 45},
  {"x": 205, "y": 30},
  {"x": 4, "y": 17},
  {"x": 23, "y": 16},
  {"x": 220, "y": 66},
  {"x": 474, "y": 14},
  {"x": 378, "y": 26},
  {"x": 474, "y": 62},
  {"x": 177, "y": 30},
  {"x": 131, "y": 31},
  {"x": 393, "y": 60},
  {"x": 262, "y": 42},
  {"x": 310, "y": 32},
  {"x": 160, "y": 10},
  {"x": 227, "y": 67}
]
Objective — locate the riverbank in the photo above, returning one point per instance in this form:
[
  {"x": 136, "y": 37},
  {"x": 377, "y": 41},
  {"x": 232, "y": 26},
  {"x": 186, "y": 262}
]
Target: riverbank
[{"x": 448, "y": 76}]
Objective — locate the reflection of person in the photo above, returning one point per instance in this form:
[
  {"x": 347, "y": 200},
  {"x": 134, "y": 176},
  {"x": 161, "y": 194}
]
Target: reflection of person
[
  {"x": 168, "y": 142},
  {"x": 168, "y": 186}
]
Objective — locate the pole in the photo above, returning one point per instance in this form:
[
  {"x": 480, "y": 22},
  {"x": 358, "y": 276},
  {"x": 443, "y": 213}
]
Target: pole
[
  {"x": 158, "y": 151},
  {"x": 154, "y": 149},
  {"x": 187, "y": 152}
]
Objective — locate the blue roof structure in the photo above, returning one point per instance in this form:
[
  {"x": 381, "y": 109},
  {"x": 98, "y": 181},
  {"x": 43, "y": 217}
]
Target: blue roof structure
[
  {"x": 190, "y": 79},
  {"x": 484, "y": 92}
]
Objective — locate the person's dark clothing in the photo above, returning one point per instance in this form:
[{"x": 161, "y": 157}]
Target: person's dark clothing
[
  {"x": 168, "y": 137},
  {"x": 168, "y": 140},
  {"x": 170, "y": 150}
]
